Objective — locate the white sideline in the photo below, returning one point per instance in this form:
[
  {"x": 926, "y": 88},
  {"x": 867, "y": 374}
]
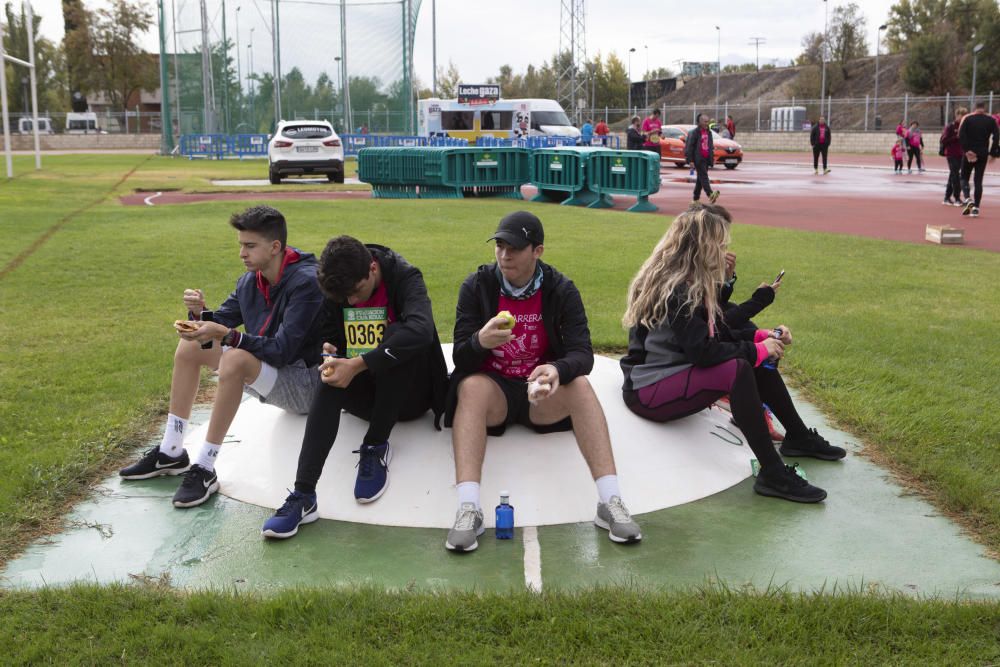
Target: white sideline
[{"x": 532, "y": 559}]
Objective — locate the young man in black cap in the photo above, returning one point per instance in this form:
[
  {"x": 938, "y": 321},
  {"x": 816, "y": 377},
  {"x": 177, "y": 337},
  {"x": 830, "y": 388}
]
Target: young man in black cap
[
  {"x": 383, "y": 363},
  {"x": 526, "y": 366}
]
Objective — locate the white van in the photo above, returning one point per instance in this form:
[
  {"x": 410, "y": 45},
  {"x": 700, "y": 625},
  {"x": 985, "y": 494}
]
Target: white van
[
  {"x": 82, "y": 123},
  {"x": 503, "y": 119},
  {"x": 24, "y": 126}
]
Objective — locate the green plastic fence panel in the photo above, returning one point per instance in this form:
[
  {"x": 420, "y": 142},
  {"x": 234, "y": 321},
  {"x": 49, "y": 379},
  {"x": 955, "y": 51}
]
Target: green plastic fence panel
[
  {"x": 487, "y": 172},
  {"x": 635, "y": 173},
  {"x": 405, "y": 172},
  {"x": 560, "y": 174}
]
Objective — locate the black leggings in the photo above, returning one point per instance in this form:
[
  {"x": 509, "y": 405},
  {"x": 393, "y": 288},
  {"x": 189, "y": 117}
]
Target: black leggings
[
  {"x": 817, "y": 151},
  {"x": 401, "y": 393},
  {"x": 954, "y": 187},
  {"x": 980, "y": 168},
  {"x": 701, "y": 179},
  {"x": 694, "y": 389},
  {"x": 914, "y": 152}
]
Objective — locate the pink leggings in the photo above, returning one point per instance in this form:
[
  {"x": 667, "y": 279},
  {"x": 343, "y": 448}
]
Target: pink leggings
[{"x": 684, "y": 393}]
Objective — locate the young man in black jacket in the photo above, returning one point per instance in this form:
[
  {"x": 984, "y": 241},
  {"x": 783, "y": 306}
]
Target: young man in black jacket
[
  {"x": 275, "y": 358},
  {"x": 699, "y": 151},
  {"x": 819, "y": 139},
  {"x": 522, "y": 353},
  {"x": 975, "y": 134},
  {"x": 383, "y": 363}
]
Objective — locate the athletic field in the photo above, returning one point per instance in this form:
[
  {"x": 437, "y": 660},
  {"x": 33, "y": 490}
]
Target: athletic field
[{"x": 895, "y": 343}]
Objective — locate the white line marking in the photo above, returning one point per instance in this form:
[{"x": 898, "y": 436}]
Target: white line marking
[
  {"x": 148, "y": 201},
  {"x": 532, "y": 559}
]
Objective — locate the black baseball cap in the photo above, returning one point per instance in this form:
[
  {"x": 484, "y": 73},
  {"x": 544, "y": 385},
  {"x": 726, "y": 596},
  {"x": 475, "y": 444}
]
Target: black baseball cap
[{"x": 519, "y": 229}]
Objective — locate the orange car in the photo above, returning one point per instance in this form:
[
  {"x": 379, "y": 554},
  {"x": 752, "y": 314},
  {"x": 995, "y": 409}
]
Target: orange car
[{"x": 727, "y": 151}]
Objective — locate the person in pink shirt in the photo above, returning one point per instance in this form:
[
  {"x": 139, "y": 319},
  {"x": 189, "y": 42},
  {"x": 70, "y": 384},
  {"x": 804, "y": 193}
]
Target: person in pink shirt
[
  {"x": 898, "y": 152},
  {"x": 651, "y": 129},
  {"x": 532, "y": 372},
  {"x": 819, "y": 138}
]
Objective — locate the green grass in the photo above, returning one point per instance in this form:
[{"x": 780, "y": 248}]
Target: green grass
[
  {"x": 613, "y": 626},
  {"x": 897, "y": 342}
]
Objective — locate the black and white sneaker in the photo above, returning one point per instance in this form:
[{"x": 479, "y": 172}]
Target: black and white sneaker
[
  {"x": 975, "y": 212},
  {"x": 155, "y": 463},
  {"x": 198, "y": 486},
  {"x": 967, "y": 209}
]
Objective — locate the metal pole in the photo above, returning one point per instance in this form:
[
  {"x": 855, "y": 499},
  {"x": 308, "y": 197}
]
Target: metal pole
[
  {"x": 434, "y": 48},
  {"x": 975, "y": 59},
  {"x": 276, "y": 61},
  {"x": 718, "y": 72},
  {"x": 866, "y": 113},
  {"x": 646, "y": 76},
  {"x": 758, "y": 114},
  {"x": 34, "y": 82},
  {"x": 947, "y": 108},
  {"x": 177, "y": 74},
  {"x": 345, "y": 79},
  {"x": 225, "y": 68},
  {"x": 3, "y": 108},
  {"x": 906, "y": 106},
  {"x": 630, "y": 51},
  {"x": 822, "y": 86},
  {"x": 878, "y": 41},
  {"x": 239, "y": 57}
]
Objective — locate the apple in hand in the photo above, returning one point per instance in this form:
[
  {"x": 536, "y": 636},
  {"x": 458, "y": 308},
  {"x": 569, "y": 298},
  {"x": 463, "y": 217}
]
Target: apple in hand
[{"x": 509, "y": 320}]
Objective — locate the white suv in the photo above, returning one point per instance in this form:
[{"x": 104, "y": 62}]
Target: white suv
[{"x": 305, "y": 147}]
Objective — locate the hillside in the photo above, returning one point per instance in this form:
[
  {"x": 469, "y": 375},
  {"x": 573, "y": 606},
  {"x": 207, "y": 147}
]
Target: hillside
[{"x": 779, "y": 87}]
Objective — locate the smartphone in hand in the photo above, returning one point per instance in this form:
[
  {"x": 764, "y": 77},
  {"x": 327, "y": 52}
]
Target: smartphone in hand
[
  {"x": 781, "y": 275},
  {"x": 207, "y": 316}
]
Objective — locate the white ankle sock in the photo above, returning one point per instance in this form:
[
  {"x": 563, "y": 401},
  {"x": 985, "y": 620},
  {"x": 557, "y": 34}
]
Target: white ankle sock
[
  {"x": 207, "y": 455},
  {"x": 173, "y": 436},
  {"x": 468, "y": 492},
  {"x": 607, "y": 486}
]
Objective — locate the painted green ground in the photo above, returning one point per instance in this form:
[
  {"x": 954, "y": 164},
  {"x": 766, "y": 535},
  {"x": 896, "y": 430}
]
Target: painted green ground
[
  {"x": 897, "y": 342},
  {"x": 865, "y": 535}
]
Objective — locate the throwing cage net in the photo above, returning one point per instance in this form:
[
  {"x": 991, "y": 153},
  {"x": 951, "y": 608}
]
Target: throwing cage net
[{"x": 346, "y": 62}]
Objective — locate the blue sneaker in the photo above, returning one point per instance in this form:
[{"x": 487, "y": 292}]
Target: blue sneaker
[
  {"x": 299, "y": 508},
  {"x": 373, "y": 472}
]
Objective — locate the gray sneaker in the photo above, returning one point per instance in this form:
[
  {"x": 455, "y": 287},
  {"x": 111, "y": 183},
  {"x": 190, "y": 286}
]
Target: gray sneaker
[
  {"x": 614, "y": 518},
  {"x": 468, "y": 525}
]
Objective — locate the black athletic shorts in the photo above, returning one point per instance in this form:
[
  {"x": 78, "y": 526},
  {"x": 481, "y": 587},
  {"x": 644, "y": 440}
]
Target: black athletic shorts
[{"x": 515, "y": 390}]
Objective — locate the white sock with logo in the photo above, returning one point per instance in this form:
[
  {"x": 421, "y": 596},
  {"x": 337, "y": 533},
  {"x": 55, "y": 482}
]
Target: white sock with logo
[
  {"x": 607, "y": 486},
  {"x": 206, "y": 457},
  {"x": 468, "y": 492},
  {"x": 173, "y": 436}
]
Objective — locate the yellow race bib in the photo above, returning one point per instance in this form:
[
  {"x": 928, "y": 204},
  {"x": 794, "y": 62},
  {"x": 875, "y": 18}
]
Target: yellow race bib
[{"x": 364, "y": 328}]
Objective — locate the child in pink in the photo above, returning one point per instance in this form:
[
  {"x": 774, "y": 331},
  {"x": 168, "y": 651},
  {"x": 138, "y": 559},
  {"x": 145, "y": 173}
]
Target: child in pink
[{"x": 898, "y": 152}]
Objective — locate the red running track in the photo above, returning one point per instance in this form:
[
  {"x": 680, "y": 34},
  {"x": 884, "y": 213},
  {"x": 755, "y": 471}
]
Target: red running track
[{"x": 861, "y": 196}]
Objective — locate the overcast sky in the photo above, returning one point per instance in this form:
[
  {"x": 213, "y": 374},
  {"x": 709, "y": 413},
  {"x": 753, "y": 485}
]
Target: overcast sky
[{"x": 480, "y": 36}]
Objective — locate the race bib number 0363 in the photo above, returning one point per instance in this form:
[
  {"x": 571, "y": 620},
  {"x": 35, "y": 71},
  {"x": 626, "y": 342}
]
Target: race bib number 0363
[{"x": 365, "y": 328}]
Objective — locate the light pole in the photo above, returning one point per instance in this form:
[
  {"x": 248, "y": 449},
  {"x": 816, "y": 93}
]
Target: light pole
[
  {"x": 646, "y": 77},
  {"x": 975, "y": 57},
  {"x": 757, "y": 41},
  {"x": 336, "y": 59},
  {"x": 253, "y": 111},
  {"x": 239, "y": 57},
  {"x": 822, "y": 85},
  {"x": 24, "y": 83},
  {"x": 878, "y": 40},
  {"x": 718, "y": 70},
  {"x": 630, "y": 52}
]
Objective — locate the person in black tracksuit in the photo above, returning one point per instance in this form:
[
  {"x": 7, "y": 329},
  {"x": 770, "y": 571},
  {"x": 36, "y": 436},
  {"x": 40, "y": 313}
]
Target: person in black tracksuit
[
  {"x": 526, "y": 364},
  {"x": 383, "y": 364},
  {"x": 699, "y": 151},
  {"x": 819, "y": 139},
  {"x": 975, "y": 134}
]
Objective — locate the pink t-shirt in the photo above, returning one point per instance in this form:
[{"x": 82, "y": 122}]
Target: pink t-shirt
[
  {"x": 649, "y": 126},
  {"x": 704, "y": 143},
  {"x": 530, "y": 345},
  {"x": 822, "y": 134}
]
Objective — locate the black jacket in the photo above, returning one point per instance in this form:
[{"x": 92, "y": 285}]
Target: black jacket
[
  {"x": 563, "y": 314},
  {"x": 692, "y": 149},
  {"x": 413, "y": 333},
  {"x": 281, "y": 325},
  {"x": 687, "y": 341},
  {"x": 633, "y": 138},
  {"x": 975, "y": 133},
  {"x": 814, "y": 136}
]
